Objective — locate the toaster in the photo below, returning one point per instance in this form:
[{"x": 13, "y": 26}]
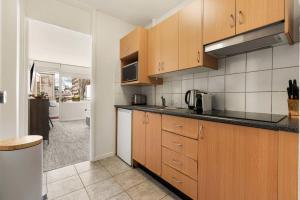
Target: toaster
[
  {"x": 139, "y": 99},
  {"x": 203, "y": 102}
]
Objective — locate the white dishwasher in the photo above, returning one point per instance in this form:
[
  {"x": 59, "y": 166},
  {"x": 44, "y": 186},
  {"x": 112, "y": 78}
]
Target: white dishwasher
[{"x": 124, "y": 135}]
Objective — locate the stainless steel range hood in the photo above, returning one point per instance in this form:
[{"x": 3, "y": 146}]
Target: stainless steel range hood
[{"x": 269, "y": 36}]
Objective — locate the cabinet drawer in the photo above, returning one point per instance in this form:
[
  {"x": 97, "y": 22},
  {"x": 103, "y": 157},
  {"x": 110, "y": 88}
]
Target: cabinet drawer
[
  {"x": 186, "y": 146},
  {"x": 180, "y": 181},
  {"x": 180, "y": 162},
  {"x": 179, "y": 125}
]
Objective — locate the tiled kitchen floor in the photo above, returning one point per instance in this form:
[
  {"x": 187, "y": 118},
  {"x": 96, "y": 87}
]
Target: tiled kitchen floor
[{"x": 109, "y": 178}]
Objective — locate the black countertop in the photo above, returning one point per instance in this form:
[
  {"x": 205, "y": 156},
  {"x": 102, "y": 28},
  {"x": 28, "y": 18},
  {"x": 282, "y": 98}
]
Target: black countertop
[{"x": 256, "y": 120}]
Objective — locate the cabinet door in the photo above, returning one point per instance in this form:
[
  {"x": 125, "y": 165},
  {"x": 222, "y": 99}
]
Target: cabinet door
[
  {"x": 153, "y": 51},
  {"x": 169, "y": 44},
  {"x": 190, "y": 35},
  {"x": 130, "y": 43},
  {"x": 153, "y": 142},
  {"x": 217, "y": 169},
  {"x": 257, "y": 164},
  {"x": 252, "y": 14},
  {"x": 139, "y": 137},
  {"x": 219, "y": 20}
]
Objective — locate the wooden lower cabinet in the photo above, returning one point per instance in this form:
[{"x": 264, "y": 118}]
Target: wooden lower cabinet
[
  {"x": 237, "y": 163},
  {"x": 146, "y": 133},
  {"x": 139, "y": 137},
  {"x": 153, "y": 142},
  {"x": 288, "y": 166},
  {"x": 180, "y": 181}
]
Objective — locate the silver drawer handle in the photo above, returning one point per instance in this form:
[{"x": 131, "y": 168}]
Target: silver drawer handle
[
  {"x": 176, "y": 162},
  {"x": 176, "y": 180},
  {"x": 179, "y": 126},
  {"x": 178, "y": 144}
]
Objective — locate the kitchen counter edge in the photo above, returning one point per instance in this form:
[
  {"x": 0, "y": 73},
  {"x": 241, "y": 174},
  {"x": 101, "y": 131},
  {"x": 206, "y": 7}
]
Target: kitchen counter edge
[{"x": 286, "y": 125}]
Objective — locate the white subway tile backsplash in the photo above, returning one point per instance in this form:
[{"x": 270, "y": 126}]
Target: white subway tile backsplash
[
  {"x": 259, "y": 102},
  {"x": 279, "y": 103},
  {"x": 259, "y": 81},
  {"x": 216, "y": 84},
  {"x": 201, "y": 84},
  {"x": 254, "y": 82},
  {"x": 183, "y": 104},
  {"x": 187, "y": 84},
  {"x": 282, "y": 76},
  {"x": 176, "y": 87},
  {"x": 259, "y": 60},
  {"x": 235, "y": 83},
  {"x": 167, "y": 87},
  {"x": 221, "y": 69},
  {"x": 235, "y": 101},
  {"x": 286, "y": 56},
  {"x": 236, "y": 64},
  {"x": 218, "y": 101}
]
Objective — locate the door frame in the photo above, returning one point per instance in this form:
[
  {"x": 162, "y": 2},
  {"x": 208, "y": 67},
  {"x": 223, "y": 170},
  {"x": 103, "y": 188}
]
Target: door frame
[{"x": 23, "y": 78}]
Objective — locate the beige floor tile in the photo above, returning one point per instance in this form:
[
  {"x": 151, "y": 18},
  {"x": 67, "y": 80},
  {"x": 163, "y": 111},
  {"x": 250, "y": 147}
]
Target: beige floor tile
[
  {"x": 94, "y": 176},
  {"x": 86, "y": 166},
  {"x": 115, "y": 165},
  {"x": 63, "y": 187},
  {"x": 104, "y": 190},
  {"x": 77, "y": 195},
  {"x": 171, "y": 197},
  {"x": 146, "y": 191},
  {"x": 61, "y": 173},
  {"x": 129, "y": 178},
  {"x": 122, "y": 196}
]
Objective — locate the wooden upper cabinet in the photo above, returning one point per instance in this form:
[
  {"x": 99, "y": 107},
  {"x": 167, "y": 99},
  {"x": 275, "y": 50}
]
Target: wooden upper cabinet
[
  {"x": 153, "y": 142},
  {"x": 130, "y": 43},
  {"x": 139, "y": 137},
  {"x": 191, "y": 53},
  {"x": 153, "y": 51},
  {"x": 219, "y": 20},
  {"x": 169, "y": 44},
  {"x": 257, "y": 13}
]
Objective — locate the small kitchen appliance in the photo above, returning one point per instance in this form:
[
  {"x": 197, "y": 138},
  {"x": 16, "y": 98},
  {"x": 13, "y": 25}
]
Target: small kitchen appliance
[
  {"x": 198, "y": 101},
  {"x": 139, "y": 99}
]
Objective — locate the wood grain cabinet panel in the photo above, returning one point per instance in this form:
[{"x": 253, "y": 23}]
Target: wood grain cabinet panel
[
  {"x": 252, "y": 14},
  {"x": 217, "y": 169},
  {"x": 130, "y": 43},
  {"x": 219, "y": 20},
  {"x": 139, "y": 137},
  {"x": 288, "y": 166},
  {"x": 180, "y": 162},
  {"x": 180, "y": 181},
  {"x": 183, "y": 145},
  {"x": 257, "y": 157},
  {"x": 169, "y": 44},
  {"x": 153, "y": 142},
  {"x": 153, "y": 51},
  {"x": 180, "y": 125}
]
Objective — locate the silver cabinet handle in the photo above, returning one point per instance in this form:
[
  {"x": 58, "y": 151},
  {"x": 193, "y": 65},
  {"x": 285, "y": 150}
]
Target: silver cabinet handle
[
  {"x": 178, "y": 144},
  {"x": 176, "y": 180},
  {"x": 198, "y": 56},
  {"x": 179, "y": 126},
  {"x": 232, "y": 19},
  {"x": 201, "y": 133},
  {"x": 241, "y": 15}
]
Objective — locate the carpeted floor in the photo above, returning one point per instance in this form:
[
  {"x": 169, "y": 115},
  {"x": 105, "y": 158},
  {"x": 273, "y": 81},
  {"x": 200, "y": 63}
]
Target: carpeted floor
[{"x": 69, "y": 144}]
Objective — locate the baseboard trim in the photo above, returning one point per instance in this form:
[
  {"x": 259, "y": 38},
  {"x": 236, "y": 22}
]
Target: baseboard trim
[{"x": 102, "y": 156}]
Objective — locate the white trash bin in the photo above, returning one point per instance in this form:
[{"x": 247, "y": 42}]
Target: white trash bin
[{"x": 21, "y": 168}]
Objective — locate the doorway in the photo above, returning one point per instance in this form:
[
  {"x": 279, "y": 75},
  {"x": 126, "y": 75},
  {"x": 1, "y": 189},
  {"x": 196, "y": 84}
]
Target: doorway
[{"x": 58, "y": 80}]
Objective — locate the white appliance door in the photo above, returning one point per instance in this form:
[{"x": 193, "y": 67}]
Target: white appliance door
[{"x": 124, "y": 135}]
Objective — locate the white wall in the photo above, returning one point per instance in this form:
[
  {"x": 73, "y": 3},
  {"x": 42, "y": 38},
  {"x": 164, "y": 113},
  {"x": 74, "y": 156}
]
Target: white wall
[
  {"x": 9, "y": 71},
  {"x": 60, "y": 14},
  {"x": 109, "y": 30},
  {"x": 51, "y": 43}
]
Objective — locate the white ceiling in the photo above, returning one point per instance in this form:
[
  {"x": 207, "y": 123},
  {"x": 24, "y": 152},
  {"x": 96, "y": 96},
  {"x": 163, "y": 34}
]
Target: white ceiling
[{"x": 136, "y": 12}]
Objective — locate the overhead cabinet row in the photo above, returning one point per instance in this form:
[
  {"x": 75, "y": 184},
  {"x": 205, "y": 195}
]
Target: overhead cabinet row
[{"x": 178, "y": 42}]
